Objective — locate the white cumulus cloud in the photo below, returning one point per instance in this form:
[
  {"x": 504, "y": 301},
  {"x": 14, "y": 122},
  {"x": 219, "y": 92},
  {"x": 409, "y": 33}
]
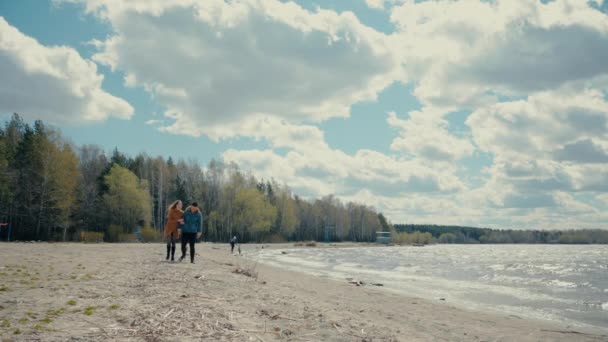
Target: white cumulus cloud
[
  {"x": 52, "y": 83},
  {"x": 425, "y": 135},
  {"x": 465, "y": 53},
  {"x": 213, "y": 63}
]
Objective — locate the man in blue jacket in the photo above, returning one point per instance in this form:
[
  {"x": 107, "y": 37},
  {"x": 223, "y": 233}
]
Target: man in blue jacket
[{"x": 191, "y": 230}]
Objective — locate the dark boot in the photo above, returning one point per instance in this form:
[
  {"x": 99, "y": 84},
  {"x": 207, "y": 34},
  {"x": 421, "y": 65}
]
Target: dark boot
[
  {"x": 173, "y": 253},
  {"x": 168, "y": 251}
]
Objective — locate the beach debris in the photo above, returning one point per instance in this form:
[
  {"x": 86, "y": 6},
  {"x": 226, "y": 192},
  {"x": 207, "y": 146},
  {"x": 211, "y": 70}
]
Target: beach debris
[
  {"x": 283, "y": 252},
  {"x": 168, "y": 313},
  {"x": 200, "y": 276},
  {"x": 573, "y": 332},
  {"x": 248, "y": 271},
  {"x": 286, "y": 332},
  {"x": 356, "y": 282},
  {"x": 264, "y": 312},
  {"x": 377, "y": 284},
  {"x": 443, "y": 299}
]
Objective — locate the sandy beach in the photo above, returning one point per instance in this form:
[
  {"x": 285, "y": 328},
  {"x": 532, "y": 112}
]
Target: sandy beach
[{"x": 128, "y": 292}]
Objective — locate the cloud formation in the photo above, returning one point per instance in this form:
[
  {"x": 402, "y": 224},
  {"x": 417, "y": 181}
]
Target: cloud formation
[
  {"x": 53, "y": 83},
  {"x": 465, "y": 53},
  {"x": 213, "y": 64},
  {"x": 531, "y": 74}
]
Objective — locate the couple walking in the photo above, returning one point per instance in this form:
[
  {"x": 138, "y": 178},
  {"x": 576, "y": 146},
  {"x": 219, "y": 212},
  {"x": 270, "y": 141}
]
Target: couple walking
[{"x": 185, "y": 224}]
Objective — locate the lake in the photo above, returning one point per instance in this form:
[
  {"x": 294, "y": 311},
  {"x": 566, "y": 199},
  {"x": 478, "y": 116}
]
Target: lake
[{"x": 563, "y": 283}]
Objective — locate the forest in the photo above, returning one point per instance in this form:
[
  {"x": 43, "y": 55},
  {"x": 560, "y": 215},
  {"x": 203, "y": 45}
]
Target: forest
[
  {"x": 425, "y": 234},
  {"x": 52, "y": 190}
]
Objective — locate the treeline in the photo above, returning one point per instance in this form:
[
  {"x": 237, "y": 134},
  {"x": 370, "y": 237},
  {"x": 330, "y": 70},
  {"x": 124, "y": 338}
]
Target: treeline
[
  {"x": 53, "y": 190},
  {"x": 413, "y": 233}
]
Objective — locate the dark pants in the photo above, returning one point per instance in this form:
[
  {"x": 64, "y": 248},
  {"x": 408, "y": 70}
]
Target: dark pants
[
  {"x": 188, "y": 238},
  {"x": 171, "y": 246},
  {"x": 232, "y": 247}
]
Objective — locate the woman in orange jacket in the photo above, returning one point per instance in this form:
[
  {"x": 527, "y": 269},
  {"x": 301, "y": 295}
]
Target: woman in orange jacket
[{"x": 174, "y": 219}]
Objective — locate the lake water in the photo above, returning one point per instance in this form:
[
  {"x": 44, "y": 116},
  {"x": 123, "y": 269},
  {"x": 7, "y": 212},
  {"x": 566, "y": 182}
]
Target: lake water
[{"x": 563, "y": 283}]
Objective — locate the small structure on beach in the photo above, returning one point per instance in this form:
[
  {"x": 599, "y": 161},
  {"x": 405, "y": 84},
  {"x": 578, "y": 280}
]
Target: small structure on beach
[{"x": 383, "y": 237}]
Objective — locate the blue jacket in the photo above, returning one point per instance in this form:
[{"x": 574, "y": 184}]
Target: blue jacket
[{"x": 193, "y": 222}]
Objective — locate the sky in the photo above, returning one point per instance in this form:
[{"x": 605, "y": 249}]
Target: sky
[{"x": 483, "y": 113}]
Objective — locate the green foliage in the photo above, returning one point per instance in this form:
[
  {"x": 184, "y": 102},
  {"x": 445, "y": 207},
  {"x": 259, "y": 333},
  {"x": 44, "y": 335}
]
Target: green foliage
[
  {"x": 91, "y": 237},
  {"x": 415, "y": 238},
  {"x": 384, "y": 223},
  {"x": 57, "y": 312},
  {"x": 447, "y": 238},
  {"x": 496, "y": 236},
  {"x": 71, "y": 302},
  {"x": 89, "y": 310},
  {"x": 38, "y": 177},
  {"x": 287, "y": 216},
  {"x": 127, "y": 238},
  {"x": 128, "y": 200},
  {"x": 254, "y": 213},
  {"x": 148, "y": 234},
  {"x": 5, "y": 190},
  {"x": 114, "y": 232}
]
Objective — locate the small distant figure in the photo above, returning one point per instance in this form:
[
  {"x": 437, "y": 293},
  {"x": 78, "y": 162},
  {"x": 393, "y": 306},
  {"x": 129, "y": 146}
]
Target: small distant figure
[
  {"x": 233, "y": 242},
  {"x": 191, "y": 229}
]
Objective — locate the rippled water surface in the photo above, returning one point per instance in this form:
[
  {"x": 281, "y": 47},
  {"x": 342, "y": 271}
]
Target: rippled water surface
[{"x": 568, "y": 284}]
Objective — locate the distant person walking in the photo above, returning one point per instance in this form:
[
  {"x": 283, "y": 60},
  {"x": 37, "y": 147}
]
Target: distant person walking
[
  {"x": 174, "y": 219},
  {"x": 233, "y": 242},
  {"x": 191, "y": 230}
]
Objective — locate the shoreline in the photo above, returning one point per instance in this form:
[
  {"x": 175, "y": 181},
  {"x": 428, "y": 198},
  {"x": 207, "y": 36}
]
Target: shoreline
[
  {"x": 416, "y": 291},
  {"x": 135, "y": 296}
]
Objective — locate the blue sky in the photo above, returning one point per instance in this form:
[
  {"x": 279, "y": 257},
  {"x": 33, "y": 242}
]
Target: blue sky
[{"x": 454, "y": 112}]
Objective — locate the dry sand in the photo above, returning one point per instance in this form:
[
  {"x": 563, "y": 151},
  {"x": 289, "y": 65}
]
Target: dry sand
[{"x": 78, "y": 292}]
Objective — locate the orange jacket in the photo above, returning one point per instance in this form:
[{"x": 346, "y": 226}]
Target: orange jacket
[{"x": 172, "y": 222}]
